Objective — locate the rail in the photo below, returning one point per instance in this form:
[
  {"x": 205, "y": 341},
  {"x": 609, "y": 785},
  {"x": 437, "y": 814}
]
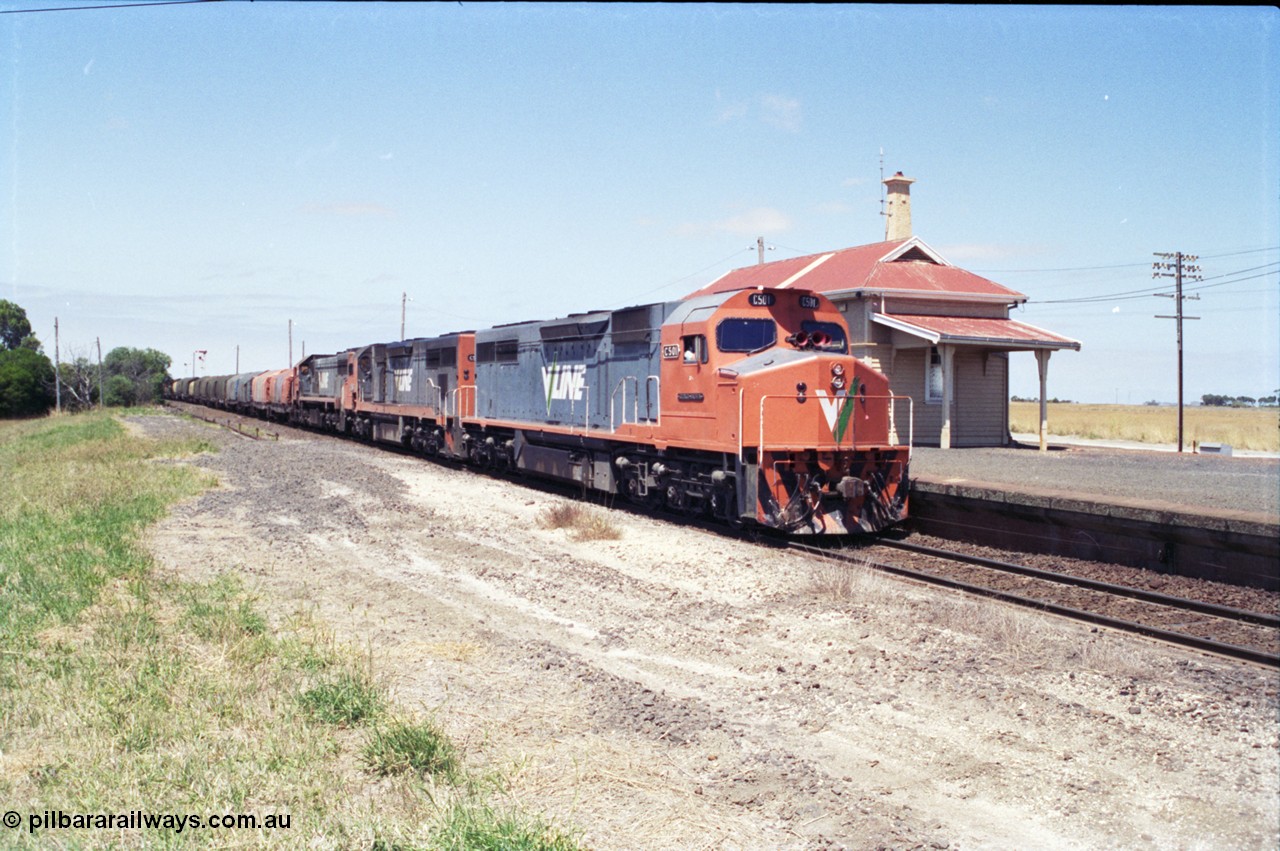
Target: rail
[{"x": 1253, "y": 654}]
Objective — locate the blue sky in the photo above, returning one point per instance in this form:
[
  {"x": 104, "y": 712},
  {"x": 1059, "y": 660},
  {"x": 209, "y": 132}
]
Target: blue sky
[{"x": 193, "y": 177}]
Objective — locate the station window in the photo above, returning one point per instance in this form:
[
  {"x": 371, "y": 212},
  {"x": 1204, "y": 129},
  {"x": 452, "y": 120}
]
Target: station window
[
  {"x": 933, "y": 376},
  {"x": 746, "y": 335}
]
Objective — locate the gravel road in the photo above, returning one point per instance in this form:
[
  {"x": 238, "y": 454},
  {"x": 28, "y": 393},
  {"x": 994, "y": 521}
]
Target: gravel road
[{"x": 680, "y": 689}]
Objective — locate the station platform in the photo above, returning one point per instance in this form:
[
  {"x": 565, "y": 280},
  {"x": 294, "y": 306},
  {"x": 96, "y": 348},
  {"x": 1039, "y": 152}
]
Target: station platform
[{"x": 1210, "y": 516}]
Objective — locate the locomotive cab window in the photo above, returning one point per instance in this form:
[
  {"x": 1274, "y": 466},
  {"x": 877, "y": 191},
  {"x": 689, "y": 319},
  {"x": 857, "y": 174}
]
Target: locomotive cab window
[
  {"x": 694, "y": 347},
  {"x": 746, "y": 335}
]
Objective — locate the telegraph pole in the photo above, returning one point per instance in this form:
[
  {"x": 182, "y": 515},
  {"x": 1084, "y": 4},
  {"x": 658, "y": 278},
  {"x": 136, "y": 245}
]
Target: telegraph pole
[
  {"x": 1181, "y": 268},
  {"x": 57, "y": 370},
  {"x": 101, "y": 400}
]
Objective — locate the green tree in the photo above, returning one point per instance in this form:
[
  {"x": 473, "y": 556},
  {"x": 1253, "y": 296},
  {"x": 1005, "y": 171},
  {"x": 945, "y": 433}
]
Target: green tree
[
  {"x": 26, "y": 383},
  {"x": 15, "y": 329},
  {"x": 135, "y": 376}
]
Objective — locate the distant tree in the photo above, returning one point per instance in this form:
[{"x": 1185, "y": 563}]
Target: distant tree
[
  {"x": 1269, "y": 400},
  {"x": 135, "y": 376},
  {"x": 1246, "y": 401},
  {"x": 26, "y": 383},
  {"x": 1213, "y": 400},
  {"x": 79, "y": 378},
  {"x": 15, "y": 329}
]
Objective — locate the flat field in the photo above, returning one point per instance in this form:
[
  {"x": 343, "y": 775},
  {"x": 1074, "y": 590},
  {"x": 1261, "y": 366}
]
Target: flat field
[{"x": 1241, "y": 428}]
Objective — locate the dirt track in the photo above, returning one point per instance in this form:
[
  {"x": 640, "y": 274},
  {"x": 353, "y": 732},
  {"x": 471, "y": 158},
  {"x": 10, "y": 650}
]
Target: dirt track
[{"x": 676, "y": 689}]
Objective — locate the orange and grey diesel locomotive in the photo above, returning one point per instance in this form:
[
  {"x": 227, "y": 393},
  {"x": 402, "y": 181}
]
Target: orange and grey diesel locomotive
[{"x": 744, "y": 406}]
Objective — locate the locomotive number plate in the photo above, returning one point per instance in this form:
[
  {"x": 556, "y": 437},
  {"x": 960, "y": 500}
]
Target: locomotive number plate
[
  {"x": 809, "y": 302},
  {"x": 761, "y": 299},
  {"x": 670, "y": 352}
]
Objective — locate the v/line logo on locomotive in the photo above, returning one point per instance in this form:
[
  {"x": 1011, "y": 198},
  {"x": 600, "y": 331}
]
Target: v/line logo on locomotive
[
  {"x": 563, "y": 382},
  {"x": 838, "y": 410}
]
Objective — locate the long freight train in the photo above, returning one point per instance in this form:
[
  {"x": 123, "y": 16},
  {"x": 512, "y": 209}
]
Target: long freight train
[{"x": 743, "y": 406}]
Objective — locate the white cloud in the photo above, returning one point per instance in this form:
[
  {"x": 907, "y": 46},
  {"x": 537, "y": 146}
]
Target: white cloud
[
  {"x": 981, "y": 251},
  {"x": 727, "y": 112},
  {"x": 834, "y": 208},
  {"x": 780, "y": 112},
  {"x": 754, "y": 222},
  {"x": 350, "y": 208}
]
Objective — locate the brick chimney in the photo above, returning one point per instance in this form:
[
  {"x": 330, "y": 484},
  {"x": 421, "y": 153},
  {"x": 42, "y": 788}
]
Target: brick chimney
[{"x": 897, "y": 223}]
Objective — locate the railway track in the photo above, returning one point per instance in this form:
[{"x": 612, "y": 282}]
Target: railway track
[
  {"x": 1222, "y": 630},
  {"x": 230, "y": 421}
]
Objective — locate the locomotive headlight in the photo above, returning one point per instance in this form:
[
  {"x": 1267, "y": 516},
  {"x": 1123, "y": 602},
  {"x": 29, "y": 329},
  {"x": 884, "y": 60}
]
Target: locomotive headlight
[
  {"x": 837, "y": 381},
  {"x": 837, "y": 369}
]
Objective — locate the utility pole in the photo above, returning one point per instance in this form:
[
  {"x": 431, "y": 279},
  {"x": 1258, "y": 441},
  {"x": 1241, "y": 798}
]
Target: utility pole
[
  {"x": 290, "y": 342},
  {"x": 237, "y": 358},
  {"x": 1181, "y": 268},
  {"x": 57, "y": 370},
  {"x": 101, "y": 400}
]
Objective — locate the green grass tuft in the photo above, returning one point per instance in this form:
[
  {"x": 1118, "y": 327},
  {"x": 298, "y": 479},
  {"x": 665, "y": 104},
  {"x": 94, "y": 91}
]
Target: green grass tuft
[
  {"x": 402, "y": 747},
  {"x": 473, "y": 826},
  {"x": 346, "y": 699}
]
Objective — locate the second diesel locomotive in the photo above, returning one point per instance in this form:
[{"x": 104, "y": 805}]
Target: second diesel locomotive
[{"x": 744, "y": 406}]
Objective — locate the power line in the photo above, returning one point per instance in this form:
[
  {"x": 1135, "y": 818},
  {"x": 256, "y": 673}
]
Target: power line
[
  {"x": 86, "y": 7},
  {"x": 1127, "y": 265},
  {"x": 690, "y": 275},
  {"x": 1125, "y": 295}
]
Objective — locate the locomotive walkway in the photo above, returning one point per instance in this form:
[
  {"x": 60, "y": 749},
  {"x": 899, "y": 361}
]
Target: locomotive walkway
[{"x": 1208, "y": 516}]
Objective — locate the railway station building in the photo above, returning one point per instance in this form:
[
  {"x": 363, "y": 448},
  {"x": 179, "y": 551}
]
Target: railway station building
[{"x": 941, "y": 334}]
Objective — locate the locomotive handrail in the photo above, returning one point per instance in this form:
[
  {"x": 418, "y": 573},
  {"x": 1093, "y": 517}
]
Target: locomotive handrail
[
  {"x": 841, "y": 400},
  {"x": 433, "y": 386},
  {"x": 622, "y": 386},
  {"x": 454, "y": 400},
  {"x": 911, "y": 420}
]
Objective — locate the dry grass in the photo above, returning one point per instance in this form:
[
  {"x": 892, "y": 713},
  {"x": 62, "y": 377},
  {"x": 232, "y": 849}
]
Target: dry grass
[
  {"x": 1242, "y": 428},
  {"x": 583, "y": 523},
  {"x": 123, "y": 690},
  {"x": 852, "y": 582}
]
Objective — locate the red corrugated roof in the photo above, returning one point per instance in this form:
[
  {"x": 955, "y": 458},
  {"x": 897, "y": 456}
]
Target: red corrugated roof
[
  {"x": 965, "y": 329},
  {"x": 865, "y": 267}
]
